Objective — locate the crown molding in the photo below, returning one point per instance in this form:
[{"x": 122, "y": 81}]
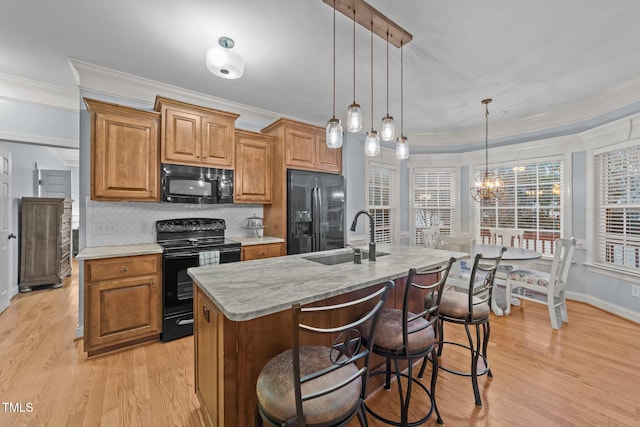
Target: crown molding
[
  {"x": 571, "y": 118},
  {"x": 139, "y": 89},
  {"x": 33, "y": 92},
  {"x": 40, "y": 140}
]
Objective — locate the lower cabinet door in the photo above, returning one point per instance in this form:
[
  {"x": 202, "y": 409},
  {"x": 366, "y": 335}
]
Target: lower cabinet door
[{"x": 122, "y": 311}]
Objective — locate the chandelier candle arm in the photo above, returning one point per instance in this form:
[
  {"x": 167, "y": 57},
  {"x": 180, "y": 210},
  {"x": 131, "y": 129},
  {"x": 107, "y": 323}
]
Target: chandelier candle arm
[{"x": 334, "y": 127}]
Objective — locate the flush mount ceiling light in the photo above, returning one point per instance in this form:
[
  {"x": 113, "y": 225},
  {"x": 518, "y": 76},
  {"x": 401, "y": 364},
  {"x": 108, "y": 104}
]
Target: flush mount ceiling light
[
  {"x": 402, "y": 146},
  {"x": 487, "y": 186},
  {"x": 334, "y": 127},
  {"x": 223, "y": 62}
]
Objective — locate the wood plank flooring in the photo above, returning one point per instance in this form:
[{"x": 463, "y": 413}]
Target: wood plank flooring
[{"x": 586, "y": 374}]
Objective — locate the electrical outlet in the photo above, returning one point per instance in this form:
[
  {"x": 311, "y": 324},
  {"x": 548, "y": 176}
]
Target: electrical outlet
[
  {"x": 635, "y": 290},
  {"x": 105, "y": 228},
  {"x": 144, "y": 227}
]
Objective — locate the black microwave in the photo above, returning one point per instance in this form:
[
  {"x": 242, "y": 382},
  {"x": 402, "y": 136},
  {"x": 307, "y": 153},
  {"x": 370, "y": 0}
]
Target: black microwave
[{"x": 194, "y": 184}]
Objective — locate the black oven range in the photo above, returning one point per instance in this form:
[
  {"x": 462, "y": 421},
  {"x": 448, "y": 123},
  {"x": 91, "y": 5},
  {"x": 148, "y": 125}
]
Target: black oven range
[{"x": 188, "y": 242}]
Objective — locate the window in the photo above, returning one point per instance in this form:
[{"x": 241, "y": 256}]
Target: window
[
  {"x": 617, "y": 205},
  {"x": 434, "y": 201},
  {"x": 532, "y": 202},
  {"x": 381, "y": 202}
]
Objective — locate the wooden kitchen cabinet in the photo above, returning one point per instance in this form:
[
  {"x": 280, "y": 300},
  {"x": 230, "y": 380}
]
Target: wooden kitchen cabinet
[
  {"x": 296, "y": 146},
  {"x": 305, "y": 147},
  {"x": 124, "y": 153},
  {"x": 194, "y": 135},
  {"x": 267, "y": 250},
  {"x": 253, "y": 175},
  {"x": 122, "y": 302},
  {"x": 45, "y": 242}
]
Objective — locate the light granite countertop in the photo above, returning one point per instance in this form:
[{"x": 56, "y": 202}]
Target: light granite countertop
[
  {"x": 248, "y": 241},
  {"x": 251, "y": 289},
  {"x": 98, "y": 252}
]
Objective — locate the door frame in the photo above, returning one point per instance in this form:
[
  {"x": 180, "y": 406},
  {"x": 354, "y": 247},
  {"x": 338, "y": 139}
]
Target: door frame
[{"x": 6, "y": 282}]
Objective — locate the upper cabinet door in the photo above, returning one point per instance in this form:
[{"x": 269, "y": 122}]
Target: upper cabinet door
[
  {"x": 327, "y": 159},
  {"x": 181, "y": 142},
  {"x": 300, "y": 151},
  {"x": 253, "y": 178},
  {"x": 217, "y": 142},
  {"x": 124, "y": 153},
  {"x": 197, "y": 136}
]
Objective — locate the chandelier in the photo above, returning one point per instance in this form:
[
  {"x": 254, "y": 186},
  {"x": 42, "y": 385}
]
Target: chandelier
[{"x": 487, "y": 186}]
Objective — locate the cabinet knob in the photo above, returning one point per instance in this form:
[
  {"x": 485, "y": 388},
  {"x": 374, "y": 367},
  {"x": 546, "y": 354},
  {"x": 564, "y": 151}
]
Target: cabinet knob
[
  {"x": 153, "y": 282},
  {"x": 125, "y": 269},
  {"x": 205, "y": 313}
]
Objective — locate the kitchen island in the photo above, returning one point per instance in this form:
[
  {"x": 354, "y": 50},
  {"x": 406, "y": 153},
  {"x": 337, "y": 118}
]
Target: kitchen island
[{"x": 242, "y": 314}]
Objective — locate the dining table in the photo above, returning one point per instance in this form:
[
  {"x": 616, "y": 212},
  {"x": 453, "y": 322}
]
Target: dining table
[{"x": 511, "y": 254}]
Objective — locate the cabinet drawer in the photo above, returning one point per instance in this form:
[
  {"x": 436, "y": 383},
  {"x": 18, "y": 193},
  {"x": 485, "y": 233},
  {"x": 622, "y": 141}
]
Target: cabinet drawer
[
  {"x": 65, "y": 222},
  {"x": 261, "y": 251},
  {"x": 122, "y": 267}
]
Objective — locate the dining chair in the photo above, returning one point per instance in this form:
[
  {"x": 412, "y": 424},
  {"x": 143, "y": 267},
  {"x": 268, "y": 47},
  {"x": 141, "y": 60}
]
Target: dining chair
[
  {"x": 542, "y": 287},
  {"x": 471, "y": 309},
  {"x": 321, "y": 385},
  {"x": 409, "y": 334},
  {"x": 506, "y": 237}
]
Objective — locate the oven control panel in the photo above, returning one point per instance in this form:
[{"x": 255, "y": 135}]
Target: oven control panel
[{"x": 190, "y": 224}]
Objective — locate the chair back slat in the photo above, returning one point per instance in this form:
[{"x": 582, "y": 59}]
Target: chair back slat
[
  {"x": 430, "y": 311},
  {"x": 507, "y": 237},
  {"x": 562, "y": 259},
  {"x": 347, "y": 345}
]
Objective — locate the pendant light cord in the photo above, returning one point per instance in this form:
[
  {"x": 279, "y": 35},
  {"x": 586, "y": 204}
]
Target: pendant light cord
[
  {"x": 486, "y": 139},
  {"x": 401, "y": 90},
  {"x": 372, "y": 75},
  {"x": 387, "y": 72},
  {"x": 334, "y": 59},
  {"x": 354, "y": 55}
]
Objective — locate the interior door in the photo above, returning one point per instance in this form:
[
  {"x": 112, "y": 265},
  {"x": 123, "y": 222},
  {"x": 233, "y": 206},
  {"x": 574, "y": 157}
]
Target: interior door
[{"x": 5, "y": 233}]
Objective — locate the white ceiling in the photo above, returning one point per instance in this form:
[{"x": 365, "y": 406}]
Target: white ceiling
[{"x": 532, "y": 57}]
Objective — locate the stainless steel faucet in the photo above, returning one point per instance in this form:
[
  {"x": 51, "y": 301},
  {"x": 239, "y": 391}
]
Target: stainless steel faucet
[{"x": 372, "y": 240}]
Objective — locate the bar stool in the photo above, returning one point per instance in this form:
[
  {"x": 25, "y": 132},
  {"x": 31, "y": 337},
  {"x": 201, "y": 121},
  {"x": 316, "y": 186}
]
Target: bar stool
[
  {"x": 321, "y": 385},
  {"x": 471, "y": 308},
  {"x": 404, "y": 335}
]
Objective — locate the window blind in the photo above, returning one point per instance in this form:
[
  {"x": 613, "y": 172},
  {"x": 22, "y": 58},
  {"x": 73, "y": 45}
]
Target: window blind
[
  {"x": 617, "y": 184},
  {"x": 532, "y": 202},
  {"x": 434, "y": 201},
  {"x": 381, "y": 202}
]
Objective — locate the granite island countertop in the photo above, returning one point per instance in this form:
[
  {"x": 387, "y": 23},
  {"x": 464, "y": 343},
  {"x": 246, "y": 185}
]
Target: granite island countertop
[{"x": 251, "y": 289}]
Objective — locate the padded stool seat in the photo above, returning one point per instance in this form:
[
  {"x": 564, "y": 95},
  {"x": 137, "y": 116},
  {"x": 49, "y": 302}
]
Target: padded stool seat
[
  {"x": 456, "y": 304},
  {"x": 276, "y": 394},
  {"x": 389, "y": 332}
]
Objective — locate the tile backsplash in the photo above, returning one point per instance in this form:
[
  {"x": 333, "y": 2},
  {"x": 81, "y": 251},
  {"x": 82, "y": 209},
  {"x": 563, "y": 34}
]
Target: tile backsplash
[{"x": 123, "y": 223}]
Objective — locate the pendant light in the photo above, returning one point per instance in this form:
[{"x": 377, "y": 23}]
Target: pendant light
[
  {"x": 354, "y": 114},
  {"x": 387, "y": 129},
  {"x": 402, "y": 146},
  {"x": 334, "y": 127},
  {"x": 372, "y": 140},
  {"x": 487, "y": 186}
]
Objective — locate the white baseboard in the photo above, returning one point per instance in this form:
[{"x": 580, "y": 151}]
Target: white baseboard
[
  {"x": 79, "y": 331},
  {"x": 606, "y": 306}
]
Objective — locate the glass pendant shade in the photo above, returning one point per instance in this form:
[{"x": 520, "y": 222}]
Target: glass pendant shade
[
  {"x": 402, "y": 148},
  {"x": 372, "y": 143},
  {"x": 354, "y": 118},
  {"x": 334, "y": 133},
  {"x": 388, "y": 129}
]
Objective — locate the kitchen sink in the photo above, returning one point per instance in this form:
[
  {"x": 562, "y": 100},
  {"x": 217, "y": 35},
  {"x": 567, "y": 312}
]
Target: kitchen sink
[{"x": 340, "y": 258}]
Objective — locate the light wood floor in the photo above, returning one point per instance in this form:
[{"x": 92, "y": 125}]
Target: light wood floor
[{"x": 586, "y": 374}]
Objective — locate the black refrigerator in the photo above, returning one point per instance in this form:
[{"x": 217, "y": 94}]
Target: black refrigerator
[{"x": 315, "y": 211}]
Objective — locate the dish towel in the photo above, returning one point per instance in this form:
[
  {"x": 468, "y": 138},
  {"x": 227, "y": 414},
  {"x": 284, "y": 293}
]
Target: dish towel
[{"x": 209, "y": 257}]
